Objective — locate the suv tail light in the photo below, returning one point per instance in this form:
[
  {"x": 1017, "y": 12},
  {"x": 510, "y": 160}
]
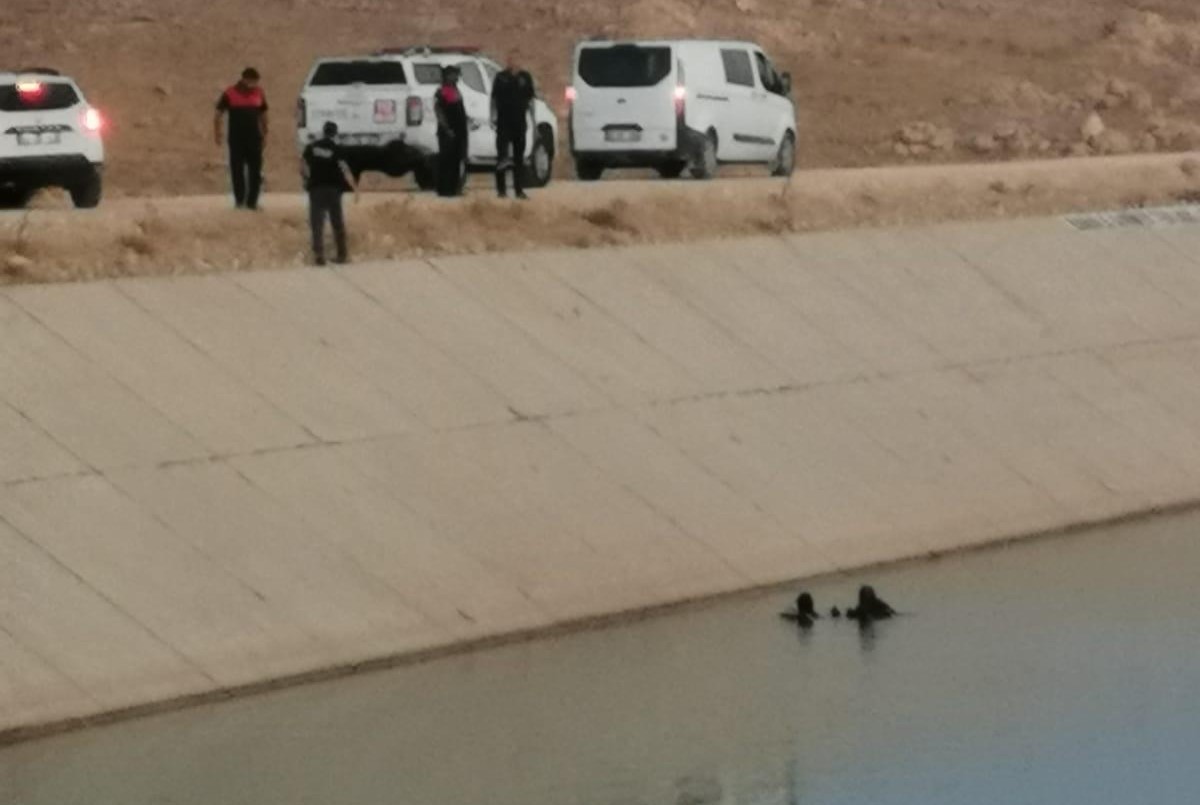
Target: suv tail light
[
  {"x": 414, "y": 111},
  {"x": 301, "y": 114},
  {"x": 680, "y": 100},
  {"x": 93, "y": 121},
  {"x": 570, "y": 95}
]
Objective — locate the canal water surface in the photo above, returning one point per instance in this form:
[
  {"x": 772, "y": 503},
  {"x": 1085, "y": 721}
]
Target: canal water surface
[{"x": 1060, "y": 671}]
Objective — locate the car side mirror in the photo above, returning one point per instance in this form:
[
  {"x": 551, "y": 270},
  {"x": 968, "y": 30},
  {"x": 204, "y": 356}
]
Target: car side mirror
[{"x": 786, "y": 80}]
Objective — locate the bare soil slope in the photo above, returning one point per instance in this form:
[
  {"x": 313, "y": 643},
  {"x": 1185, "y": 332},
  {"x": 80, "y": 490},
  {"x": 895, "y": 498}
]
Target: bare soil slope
[{"x": 877, "y": 81}]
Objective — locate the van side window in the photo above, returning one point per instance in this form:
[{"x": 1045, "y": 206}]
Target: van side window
[
  {"x": 472, "y": 77},
  {"x": 770, "y": 77},
  {"x": 738, "y": 69}
]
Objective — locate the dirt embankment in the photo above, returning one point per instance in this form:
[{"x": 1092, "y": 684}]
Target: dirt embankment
[
  {"x": 201, "y": 234},
  {"x": 877, "y": 81}
]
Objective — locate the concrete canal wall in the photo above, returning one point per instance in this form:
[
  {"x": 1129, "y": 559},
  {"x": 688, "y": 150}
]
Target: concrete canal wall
[{"x": 209, "y": 483}]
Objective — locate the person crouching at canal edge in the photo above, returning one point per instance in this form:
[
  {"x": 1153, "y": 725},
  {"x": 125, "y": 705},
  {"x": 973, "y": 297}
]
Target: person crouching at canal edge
[
  {"x": 245, "y": 105},
  {"x": 327, "y": 177},
  {"x": 452, "y": 134}
]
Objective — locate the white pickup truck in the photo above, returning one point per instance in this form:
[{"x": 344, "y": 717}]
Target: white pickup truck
[{"x": 383, "y": 105}]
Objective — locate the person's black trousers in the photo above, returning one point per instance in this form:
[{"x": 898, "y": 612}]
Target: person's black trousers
[
  {"x": 451, "y": 154},
  {"x": 245, "y": 167},
  {"x": 510, "y": 154},
  {"x": 326, "y": 202}
]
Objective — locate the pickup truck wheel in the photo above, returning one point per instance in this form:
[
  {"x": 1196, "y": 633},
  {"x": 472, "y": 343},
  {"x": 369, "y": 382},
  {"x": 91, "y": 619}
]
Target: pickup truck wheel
[
  {"x": 672, "y": 170},
  {"x": 86, "y": 193},
  {"x": 14, "y": 198},
  {"x": 540, "y": 166},
  {"x": 425, "y": 175}
]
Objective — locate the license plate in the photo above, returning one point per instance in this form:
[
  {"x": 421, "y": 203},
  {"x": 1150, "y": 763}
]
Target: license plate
[
  {"x": 38, "y": 138},
  {"x": 623, "y": 136}
]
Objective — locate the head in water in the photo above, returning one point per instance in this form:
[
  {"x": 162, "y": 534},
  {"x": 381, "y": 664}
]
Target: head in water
[{"x": 805, "y": 605}]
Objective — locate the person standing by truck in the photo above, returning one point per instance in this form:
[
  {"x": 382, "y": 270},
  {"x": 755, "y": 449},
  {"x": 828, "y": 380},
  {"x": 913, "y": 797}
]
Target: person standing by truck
[
  {"x": 512, "y": 100},
  {"x": 245, "y": 105},
  {"x": 452, "y": 134},
  {"x": 326, "y": 177}
]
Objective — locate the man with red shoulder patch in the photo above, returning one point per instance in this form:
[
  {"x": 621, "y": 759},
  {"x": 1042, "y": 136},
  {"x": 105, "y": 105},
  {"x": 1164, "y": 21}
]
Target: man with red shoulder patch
[{"x": 245, "y": 105}]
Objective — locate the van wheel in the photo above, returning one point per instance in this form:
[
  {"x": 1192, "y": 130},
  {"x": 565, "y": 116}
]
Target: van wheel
[
  {"x": 704, "y": 162},
  {"x": 785, "y": 161},
  {"x": 588, "y": 171},
  {"x": 14, "y": 198},
  {"x": 540, "y": 165},
  {"x": 86, "y": 194},
  {"x": 672, "y": 170}
]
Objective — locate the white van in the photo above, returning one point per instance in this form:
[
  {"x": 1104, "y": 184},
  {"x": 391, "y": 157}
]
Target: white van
[{"x": 679, "y": 105}]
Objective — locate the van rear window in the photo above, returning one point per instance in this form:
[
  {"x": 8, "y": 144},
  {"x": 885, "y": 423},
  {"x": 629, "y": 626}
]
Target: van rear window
[
  {"x": 49, "y": 97},
  {"x": 343, "y": 73},
  {"x": 624, "y": 65}
]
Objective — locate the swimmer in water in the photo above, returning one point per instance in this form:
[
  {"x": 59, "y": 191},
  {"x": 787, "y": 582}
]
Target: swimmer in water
[
  {"x": 805, "y": 614},
  {"x": 870, "y": 607}
]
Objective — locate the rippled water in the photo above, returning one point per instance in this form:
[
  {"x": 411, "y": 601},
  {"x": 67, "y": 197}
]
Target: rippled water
[{"x": 1063, "y": 671}]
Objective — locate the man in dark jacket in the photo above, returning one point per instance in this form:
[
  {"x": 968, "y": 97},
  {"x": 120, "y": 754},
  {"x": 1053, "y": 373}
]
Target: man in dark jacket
[
  {"x": 452, "y": 134},
  {"x": 246, "y": 106},
  {"x": 327, "y": 177},
  {"x": 512, "y": 103}
]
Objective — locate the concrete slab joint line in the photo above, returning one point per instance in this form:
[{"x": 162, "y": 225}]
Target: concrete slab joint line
[{"x": 255, "y": 481}]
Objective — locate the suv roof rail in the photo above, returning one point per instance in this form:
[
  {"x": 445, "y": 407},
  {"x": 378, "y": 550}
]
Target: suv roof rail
[
  {"x": 427, "y": 50},
  {"x": 38, "y": 71}
]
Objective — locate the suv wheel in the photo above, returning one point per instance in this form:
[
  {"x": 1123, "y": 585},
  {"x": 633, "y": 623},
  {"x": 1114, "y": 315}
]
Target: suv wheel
[
  {"x": 704, "y": 162},
  {"x": 540, "y": 165},
  {"x": 785, "y": 161},
  {"x": 86, "y": 194},
  {"x": 14, "y": 198},
  {"x": 588, "y": 171}
]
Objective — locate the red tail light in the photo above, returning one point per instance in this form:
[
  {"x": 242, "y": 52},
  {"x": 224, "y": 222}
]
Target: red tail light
[
  {"x": 414, "y": 111},
  {"x": 680, "y": 99},
  {"x": 571, "y": 95},
  {"x": 93, "y": 121},
  {"x": 301, "y": 114}
]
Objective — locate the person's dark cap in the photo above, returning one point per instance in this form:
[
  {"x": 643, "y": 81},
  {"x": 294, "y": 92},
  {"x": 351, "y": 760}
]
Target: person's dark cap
[
  {"x": 330, "y": 129},
  {"x": 451, "y": 69},
  {"x": 250, "y": 74}
]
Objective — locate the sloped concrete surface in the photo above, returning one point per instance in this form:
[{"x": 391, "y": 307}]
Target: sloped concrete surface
[{"x": 209, "y": 482}]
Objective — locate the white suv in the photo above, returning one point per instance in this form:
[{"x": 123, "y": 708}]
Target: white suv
[
  {"x": 49, "y": 137},
  {"x": 383, "y": 105}
]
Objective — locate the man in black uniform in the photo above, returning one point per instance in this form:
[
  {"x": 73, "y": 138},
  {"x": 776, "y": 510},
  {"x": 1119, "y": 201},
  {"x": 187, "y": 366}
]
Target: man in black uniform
[
  {"x": 246, "y": 105},
  {"x": 451, "y": 133},
  {"x": 327, "y": 177},
  {"x": 512, "y": 101}
]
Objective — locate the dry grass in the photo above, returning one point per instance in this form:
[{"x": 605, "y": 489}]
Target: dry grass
[{"x": 202, "y": 235}]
